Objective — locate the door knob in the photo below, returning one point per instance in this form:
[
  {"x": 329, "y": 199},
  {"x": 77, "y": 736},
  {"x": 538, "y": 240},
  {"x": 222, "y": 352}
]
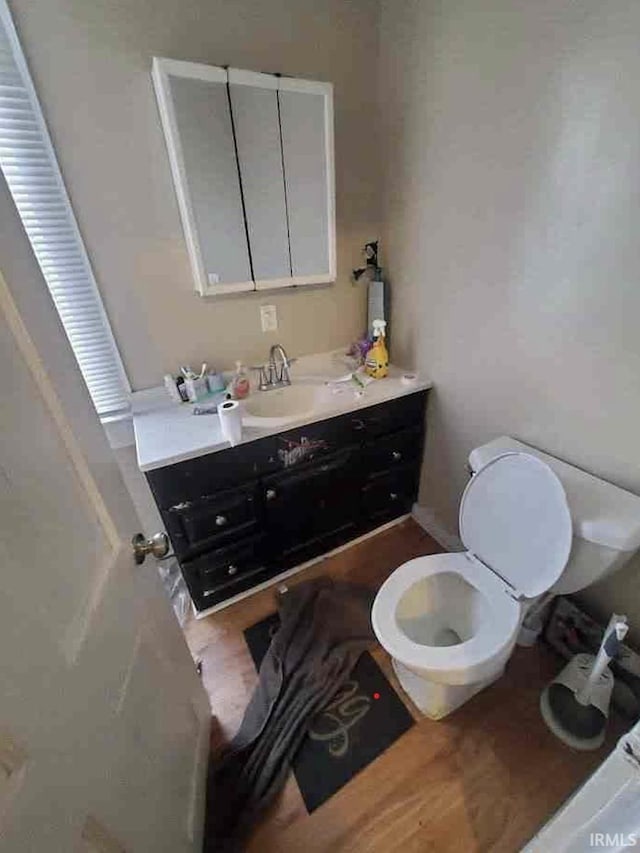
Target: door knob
[{"x": 158, "y": 545}]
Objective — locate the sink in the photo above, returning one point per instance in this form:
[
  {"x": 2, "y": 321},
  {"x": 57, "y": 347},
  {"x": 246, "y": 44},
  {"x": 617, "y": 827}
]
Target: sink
[{"x": 280, "y": 405}]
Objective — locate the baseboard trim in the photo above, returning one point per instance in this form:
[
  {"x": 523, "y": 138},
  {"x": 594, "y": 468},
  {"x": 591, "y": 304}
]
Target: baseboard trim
[
  {"x": 201, "y": 614},
  {"x": 427, "y": 519}
]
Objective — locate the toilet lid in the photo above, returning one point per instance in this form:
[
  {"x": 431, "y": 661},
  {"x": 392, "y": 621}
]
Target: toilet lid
[{"x": 514, "y": 517}]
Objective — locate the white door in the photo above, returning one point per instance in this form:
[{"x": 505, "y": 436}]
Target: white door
[{"x": 104, "y": 723}]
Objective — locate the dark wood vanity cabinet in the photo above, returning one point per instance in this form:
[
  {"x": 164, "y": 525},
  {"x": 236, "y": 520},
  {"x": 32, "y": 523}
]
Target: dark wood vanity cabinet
[{"x": 242, "y": 515}]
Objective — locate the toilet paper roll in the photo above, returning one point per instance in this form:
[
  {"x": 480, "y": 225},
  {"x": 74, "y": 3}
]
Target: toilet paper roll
[{"x": 230, "y": 415}]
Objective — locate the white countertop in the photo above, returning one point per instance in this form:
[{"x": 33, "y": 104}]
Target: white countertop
[{"x": 168, "y": 432}]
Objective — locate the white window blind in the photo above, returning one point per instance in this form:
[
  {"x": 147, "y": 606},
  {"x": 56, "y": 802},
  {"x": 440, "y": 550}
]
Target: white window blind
[{"x": 31, "y": 171}]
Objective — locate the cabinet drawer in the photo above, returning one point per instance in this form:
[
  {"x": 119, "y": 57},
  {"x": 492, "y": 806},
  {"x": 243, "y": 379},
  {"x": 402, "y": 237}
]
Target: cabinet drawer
[
  {"x": 392, "y": 451},
  {"x": 220, "y": 574},
  {"x": 389, "y": 495},
  {"x": 225, "y": 565},
  {"x": 195, "y": 526},
  {"x": 390, "y": 416},
  {"x": 205, "y": 596}
]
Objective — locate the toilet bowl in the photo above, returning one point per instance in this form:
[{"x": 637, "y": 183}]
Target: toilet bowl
[
  {"x": 449, "y": 628},
  {"x": 450, "y": 621}
]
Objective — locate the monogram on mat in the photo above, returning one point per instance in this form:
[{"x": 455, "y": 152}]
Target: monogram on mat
[{"x": 334, "y": 723}]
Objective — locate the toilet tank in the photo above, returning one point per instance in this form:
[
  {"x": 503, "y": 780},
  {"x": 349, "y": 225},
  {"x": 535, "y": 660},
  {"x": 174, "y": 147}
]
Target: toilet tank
[{"x": 606, "y": 518}]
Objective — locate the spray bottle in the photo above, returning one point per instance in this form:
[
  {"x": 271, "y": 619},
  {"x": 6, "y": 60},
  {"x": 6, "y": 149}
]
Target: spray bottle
[{"x": 377, "y": 360}]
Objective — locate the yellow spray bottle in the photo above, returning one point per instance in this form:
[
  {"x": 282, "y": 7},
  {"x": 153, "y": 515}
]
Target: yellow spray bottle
[{"x": 377, "y": 360}]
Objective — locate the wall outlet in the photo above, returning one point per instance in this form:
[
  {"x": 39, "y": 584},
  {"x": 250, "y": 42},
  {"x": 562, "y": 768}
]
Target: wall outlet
[{"x": 269, "y": 318}]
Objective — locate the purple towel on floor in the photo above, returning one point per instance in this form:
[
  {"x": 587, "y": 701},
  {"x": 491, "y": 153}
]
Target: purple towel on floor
[{"x": 324, "y": 628}]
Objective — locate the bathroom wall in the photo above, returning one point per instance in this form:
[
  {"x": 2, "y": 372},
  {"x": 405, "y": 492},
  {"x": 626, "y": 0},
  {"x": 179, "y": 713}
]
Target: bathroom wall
[
  {"x": 91, "y": 64},
  {"x": 511, "y": 140}
]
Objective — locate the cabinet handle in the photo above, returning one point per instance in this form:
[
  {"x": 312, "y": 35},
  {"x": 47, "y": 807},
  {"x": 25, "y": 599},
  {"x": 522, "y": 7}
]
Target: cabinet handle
[
  {"x": 221, "y": 520},
  {"x": 358, "y": 424},
  {"x": 396, "y": 456},
  {"x": 393, "y": 496},
  {"x": 232, "y": 570},
  {"x": 270, "y": 494}
]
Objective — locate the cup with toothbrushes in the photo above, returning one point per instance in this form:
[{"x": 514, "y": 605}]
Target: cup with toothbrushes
[{"x": 195, "y": 383}]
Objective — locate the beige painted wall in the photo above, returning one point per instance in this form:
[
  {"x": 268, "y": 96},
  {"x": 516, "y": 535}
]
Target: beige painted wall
[
  {"x": 511, "y": 138},
  {"x": 91, "y": 65}
]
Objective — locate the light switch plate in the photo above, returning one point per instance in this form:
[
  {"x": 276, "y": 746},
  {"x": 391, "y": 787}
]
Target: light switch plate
[{"x": 269, "y": 318}]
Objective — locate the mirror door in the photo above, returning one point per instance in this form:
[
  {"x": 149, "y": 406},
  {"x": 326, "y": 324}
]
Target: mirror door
[{"x": 196, "y": 116}]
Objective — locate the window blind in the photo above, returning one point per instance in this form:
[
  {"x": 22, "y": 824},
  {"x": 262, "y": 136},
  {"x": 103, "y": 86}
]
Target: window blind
[{"x": 30, "y": 168}]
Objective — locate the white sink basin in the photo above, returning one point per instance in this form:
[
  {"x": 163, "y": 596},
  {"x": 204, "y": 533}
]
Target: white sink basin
[{"x": 280, "y": 405}]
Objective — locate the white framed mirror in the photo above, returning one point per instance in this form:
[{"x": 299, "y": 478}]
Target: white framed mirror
[{"x": 252, "y": 159}]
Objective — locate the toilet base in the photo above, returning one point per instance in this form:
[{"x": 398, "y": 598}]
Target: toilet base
[{"x": 433, "y": 699}]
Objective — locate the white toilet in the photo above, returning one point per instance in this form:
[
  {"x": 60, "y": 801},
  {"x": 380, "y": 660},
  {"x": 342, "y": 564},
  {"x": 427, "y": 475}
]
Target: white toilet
[{"x": 530, "y": 524}]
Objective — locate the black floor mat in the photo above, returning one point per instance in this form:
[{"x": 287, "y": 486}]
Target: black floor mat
[{"x": 358, "y": 725}]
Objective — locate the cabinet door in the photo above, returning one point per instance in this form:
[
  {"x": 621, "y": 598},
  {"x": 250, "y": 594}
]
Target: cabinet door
[
  {"x": 306, "y": 119},
  {"x": 196, "y": 118},
  {"x": 254, "y": 102},
  {"x": 305, "y": 508}
]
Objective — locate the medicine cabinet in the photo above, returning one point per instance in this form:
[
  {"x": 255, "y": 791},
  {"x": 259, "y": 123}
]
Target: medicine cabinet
[{"x": 252, "y": 162}]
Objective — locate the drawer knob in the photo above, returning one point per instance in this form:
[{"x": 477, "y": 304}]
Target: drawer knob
[
  {"x": 221, "y": 520},
  {"x": 396, "y": 456},
  {"x": 232, "y": 570},
  {"x": 393, "y": 496},
  {"x": 270, "y": 494}
]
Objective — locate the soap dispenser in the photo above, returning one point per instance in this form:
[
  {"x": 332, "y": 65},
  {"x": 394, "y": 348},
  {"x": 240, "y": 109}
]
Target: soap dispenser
[
  {"x": 240, "y": 386},
  {"x": 377, "y": 360}
]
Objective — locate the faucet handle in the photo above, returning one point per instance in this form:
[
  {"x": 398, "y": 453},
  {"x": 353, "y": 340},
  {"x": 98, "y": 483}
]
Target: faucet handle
[{"x": 263, "y": 378}]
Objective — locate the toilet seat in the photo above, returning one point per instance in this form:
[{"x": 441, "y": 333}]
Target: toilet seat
[
  {"x": 516, "y": 524},
  {"x": 466, "y": 661},
  {"x": 514, "y": 517}
]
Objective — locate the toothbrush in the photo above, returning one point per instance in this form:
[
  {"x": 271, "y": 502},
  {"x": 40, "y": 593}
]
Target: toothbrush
[{"x": 190, "y": 374}]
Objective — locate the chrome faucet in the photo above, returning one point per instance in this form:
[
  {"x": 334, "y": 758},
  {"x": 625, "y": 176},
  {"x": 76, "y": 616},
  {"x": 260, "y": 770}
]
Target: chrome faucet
[{"x": 275, "y": 373}]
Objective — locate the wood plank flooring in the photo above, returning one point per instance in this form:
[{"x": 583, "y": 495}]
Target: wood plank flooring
[{"x": 483, "y": 779}]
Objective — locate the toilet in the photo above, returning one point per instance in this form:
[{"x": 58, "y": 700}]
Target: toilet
[{"x": 530, "y": 525}]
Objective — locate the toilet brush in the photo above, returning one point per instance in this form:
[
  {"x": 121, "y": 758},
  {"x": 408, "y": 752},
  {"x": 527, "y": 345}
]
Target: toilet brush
[{"x": 575, "y": 706}]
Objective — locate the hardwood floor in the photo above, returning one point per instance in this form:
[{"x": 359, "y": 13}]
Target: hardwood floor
[{"x": 483, "y": 779}]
